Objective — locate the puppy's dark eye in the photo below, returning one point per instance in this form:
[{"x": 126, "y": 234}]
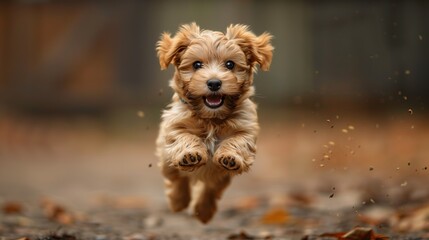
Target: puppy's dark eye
[
  {"x": 197, "y": 65},
  {"x": 230, "y": 65}
]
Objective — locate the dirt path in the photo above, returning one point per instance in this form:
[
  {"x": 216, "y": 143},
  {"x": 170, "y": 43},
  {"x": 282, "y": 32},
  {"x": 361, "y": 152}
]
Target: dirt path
[{"x": 68, "y": 180}]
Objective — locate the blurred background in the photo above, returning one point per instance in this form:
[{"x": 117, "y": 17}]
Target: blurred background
[{"x": 344, "y": 103}]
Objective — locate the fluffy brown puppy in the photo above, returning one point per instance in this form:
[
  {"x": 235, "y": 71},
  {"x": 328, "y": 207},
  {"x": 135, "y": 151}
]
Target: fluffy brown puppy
[{"x": 208, "y": 133}]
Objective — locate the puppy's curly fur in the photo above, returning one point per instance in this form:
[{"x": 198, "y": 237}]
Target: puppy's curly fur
[{"x": 208, "y": 133}]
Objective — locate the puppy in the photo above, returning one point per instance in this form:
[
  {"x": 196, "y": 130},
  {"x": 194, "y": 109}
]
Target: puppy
[{"x": 208, "y": 133}]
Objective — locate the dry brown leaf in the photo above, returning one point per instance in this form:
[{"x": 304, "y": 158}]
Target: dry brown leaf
[
  {"x": 301, "y": 199},
  {"x": 275, "y": 216},
  {"x": 56, "y": 212},
  {"x": 358, "y": 233},
  {"x": 12, "y": 208},
  {"x": 338, "y": 235},
  {"x": 241, "y": 236}
]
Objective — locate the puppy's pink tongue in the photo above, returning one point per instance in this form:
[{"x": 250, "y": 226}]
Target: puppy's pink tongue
[{"x": 214, "y": 100}]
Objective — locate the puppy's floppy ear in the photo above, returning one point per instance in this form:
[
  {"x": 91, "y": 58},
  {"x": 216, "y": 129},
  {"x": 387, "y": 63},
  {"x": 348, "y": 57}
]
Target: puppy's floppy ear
[
  {"x": 258, "y": 49},
  {"x": 170, "y": 49}
]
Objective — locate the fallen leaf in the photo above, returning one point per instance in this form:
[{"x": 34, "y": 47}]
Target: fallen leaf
[
  {"x": 301, "y": 199},
  {"x": 338, "y": 235},
  {"x": 12, "y": 208},
  {"x": 56, "y": 212},
  {"x": 240, "y": 236},
  {"x": 358, "y": 233},
  {"x": 275, "y": 216}
]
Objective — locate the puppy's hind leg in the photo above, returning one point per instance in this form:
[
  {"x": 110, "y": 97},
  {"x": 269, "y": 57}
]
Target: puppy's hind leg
[
  {"x": 177, "y": 188},
  {"x": 206, "y": 206}
]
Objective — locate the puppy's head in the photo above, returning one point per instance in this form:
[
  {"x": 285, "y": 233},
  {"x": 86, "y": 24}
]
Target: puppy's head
[{"x": 214, "y": 70}]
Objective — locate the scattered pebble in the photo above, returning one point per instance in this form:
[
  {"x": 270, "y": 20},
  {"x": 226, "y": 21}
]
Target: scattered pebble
[
  {"x": 371, "y": 168},
  {"x": 344, "y": 130},
  {"x": 404, "y": 184},
  {"x": 331, "y": 196},
  {"x": 351, "y": 127},
  {"x": 100, "y": 237},
  {"x": 152, "y": 222},
  {"x": 332, "y": 143},
  {"x": 407, "y": 72},
  {"x": 420, "y": 37},
  {"x": 135, "y": 236},
  {"x": 410, "y": 111}
]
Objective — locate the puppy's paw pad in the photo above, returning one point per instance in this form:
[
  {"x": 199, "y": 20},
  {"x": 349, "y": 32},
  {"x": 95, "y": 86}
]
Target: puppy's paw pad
[
  {"x": 190, "y": 160},
  {"x": 229, "y": 162}
]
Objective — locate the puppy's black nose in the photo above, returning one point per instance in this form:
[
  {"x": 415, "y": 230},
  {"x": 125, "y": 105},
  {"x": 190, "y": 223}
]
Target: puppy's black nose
[{"x": 214, "y": 84}]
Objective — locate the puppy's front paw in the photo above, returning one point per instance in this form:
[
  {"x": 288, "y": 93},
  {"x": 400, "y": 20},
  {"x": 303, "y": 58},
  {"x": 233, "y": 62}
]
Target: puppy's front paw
[
  {"x": 229, "y": 162},
  {"x": 190, "y": 160}
]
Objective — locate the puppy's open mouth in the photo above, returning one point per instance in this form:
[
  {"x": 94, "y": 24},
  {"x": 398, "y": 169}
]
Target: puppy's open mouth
[{"x": 213, "y": 101}]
